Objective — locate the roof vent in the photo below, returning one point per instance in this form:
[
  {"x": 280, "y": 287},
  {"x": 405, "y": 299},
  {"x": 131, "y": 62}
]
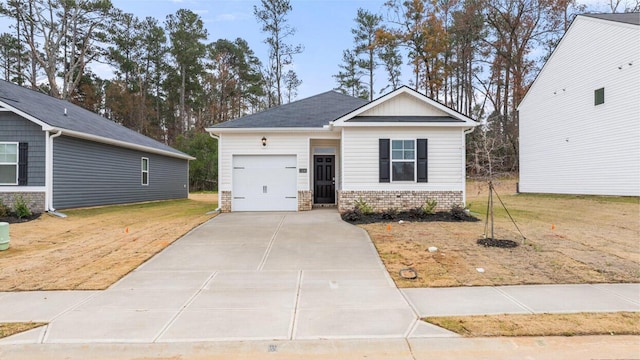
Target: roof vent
[{"x": 65, "y": 111}]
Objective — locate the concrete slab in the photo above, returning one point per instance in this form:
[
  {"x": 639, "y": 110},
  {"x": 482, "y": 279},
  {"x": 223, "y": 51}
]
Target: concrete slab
[
  {"x": 169, "y": 280},
  {"x": 461, "y": 301},
  {"x": 255, "y": 280},
  {"x": 338, "y": 323},
  {"x": 210, "y": 325},
  {"x": 207, "y": 257},
  {"x": 138, "y": 300},
  {"x": 350, "y": 278},
  {"x": 567, "y": 298},
  {"x": 40, "y": 306},
  {"x": 33, "y": 336},
  {"x": 124, "y": 326},
  {"x": 630, "y": 292},
  {"x": 265, "y": 299},
  {"x": 425, "y": 330},
  {"x": 354, "y": 298}
]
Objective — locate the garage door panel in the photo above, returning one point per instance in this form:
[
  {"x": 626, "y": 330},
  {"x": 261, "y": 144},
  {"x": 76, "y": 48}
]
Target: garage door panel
[{"x": 264, "y": 183}]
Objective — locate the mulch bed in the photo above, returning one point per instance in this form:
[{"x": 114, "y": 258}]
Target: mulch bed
[
  {"x": 15, "y": 220},
  {"x": 501, "y": 243},
  {"x": 355, "y": 217}
]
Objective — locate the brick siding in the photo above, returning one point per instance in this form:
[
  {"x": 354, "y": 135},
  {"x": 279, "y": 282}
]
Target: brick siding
[{"x": 399, "y": 200}]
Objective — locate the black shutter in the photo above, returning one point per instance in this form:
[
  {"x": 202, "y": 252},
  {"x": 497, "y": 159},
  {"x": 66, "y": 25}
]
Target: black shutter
[
  {"x": 23, "y": 162},
  {"x": 385, "y": 161},
  {"x": 422, "y": 160}
]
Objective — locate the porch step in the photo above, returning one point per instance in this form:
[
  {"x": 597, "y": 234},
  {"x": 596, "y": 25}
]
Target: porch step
[{"x": 324, "y": 206}]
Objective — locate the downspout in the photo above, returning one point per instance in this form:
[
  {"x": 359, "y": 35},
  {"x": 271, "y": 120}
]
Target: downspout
[
  {"x": 49, "y": 174},
  {"x": 464, "y": 164},
  {"x": 219, "y": 193}
]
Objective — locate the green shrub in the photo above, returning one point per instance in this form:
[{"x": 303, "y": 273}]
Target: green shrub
[
  {"x": 4, "y": 209},
  {"x": 458, "y": 212},
  {"x": 363, "y": 207},
  {"x": 429, "y": 207},
  {"x": 20, "y": 207}
]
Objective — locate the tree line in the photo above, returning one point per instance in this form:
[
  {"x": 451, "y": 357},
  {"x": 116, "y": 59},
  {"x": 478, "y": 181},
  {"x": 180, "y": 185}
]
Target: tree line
[
  {"x": 169, "y": 82},
  {"x": 476, "y": 56}
]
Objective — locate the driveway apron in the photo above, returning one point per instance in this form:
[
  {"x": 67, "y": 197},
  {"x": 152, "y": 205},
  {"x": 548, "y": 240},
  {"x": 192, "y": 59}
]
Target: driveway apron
[{"x": 251, "y": 276}]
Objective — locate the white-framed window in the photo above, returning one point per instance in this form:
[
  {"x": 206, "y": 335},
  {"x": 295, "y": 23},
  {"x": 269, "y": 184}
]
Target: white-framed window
[
  {"x": 403, "y": 160},
  {"x": 144, "y": 167},
  {"x": 8, "y": 163}
]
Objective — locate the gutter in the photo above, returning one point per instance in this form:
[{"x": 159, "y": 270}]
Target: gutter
[{"x": 469, "y": 130}]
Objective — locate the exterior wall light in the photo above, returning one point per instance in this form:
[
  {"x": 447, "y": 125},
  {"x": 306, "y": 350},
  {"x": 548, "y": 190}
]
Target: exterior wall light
[{"x": 264, "y": 141}]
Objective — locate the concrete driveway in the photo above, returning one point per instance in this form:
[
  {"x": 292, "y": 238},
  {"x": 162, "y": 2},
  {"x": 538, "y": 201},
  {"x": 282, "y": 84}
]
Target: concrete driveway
[{"x": 249, "y": 276}]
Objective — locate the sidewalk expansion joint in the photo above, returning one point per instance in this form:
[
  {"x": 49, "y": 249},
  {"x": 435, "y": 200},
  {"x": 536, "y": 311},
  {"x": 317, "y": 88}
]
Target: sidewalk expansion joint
[
  {"x": 514, "y": 300},
  {"x": 183, "y": 307},
  {"x": 294, "y": 320},
  {"x": 45, "y": 333},
  {"x": 614, "y": 293},
  {"x": 268, "y": 250}
]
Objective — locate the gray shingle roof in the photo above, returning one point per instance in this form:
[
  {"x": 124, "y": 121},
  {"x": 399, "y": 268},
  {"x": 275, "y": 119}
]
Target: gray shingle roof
[
  {"x": 51, "y": 111},
  {"x": 402, "y": 119},
  {"x": 314, "y": 111},
  {"x": 627, "y": 18}
]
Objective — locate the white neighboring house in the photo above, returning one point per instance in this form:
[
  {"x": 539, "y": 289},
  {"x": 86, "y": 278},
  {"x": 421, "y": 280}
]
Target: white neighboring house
[
  {"x": 332, "y": 149},
  {"x": 580, "y": 119}
]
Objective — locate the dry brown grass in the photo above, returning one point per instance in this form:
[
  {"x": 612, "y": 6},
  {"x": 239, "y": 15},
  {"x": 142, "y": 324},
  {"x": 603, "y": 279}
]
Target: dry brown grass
[
  {"x": 93, "y": 248},
  {"x": 570, "y": 239},
  {"x": 621, "y": 323},
  {"x": 8, "y": 329}
]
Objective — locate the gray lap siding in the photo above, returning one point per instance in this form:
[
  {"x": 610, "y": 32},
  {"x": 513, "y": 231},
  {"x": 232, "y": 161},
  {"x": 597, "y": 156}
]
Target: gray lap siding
[
  {"x": 14, "y": 128},
  {"x": 86, "y": 173}
]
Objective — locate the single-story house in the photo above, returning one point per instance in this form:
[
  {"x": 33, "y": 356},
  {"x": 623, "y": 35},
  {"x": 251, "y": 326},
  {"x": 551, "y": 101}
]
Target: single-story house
[
  {"x": 394, "y": 152},
  {"x": 57, "y": 155},
  {"x": 580, "y": 119}
]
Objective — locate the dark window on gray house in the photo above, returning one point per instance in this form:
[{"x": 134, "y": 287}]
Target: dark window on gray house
[
  {"x": 145, "y": 171},
  {"x": 8, "y": 163},
  {"x": 599, "y": 96}
]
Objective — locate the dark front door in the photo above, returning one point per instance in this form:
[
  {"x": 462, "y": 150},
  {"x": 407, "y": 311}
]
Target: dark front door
[{"x": 325, "y": 179}]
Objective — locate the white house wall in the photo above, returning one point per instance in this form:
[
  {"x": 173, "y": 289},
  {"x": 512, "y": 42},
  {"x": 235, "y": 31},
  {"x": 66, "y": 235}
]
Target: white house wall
[
  {"x": 361, "y": 158},
  {"x": 568, "y": 145},
  {"x": 404, "y": 105}
]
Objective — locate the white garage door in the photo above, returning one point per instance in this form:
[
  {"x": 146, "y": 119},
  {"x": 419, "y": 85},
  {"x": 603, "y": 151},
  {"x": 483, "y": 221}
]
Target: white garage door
[{"x": 264, "y": 183}]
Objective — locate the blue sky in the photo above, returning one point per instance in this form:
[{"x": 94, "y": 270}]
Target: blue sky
[{"x": 323, "y": 27}]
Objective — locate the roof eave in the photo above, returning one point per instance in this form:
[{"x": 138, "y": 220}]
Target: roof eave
[
  {"x": 220, "y": 130},
  {"x": 42, "y": 124},
  {"x": 464, "y": 124},
  {"x": 119, "y": 143}
]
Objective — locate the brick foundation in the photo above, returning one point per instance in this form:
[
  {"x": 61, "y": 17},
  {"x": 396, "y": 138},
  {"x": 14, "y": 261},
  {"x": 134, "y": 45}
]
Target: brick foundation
[
  {"x": 35, "y": 200},
  {"x": 305, "y": 200},
  {"x": 225, "y": 201},
  {"x": 399, "y": 200}
]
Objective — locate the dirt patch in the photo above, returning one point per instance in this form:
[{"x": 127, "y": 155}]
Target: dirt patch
[
  {"x": 570, "y": 239},
  {"x": 93, "y": 248},
  {"x": 8, "y": 329},
  {"x": 622, "y": 323},
  {"x": 501, "y": 243}
]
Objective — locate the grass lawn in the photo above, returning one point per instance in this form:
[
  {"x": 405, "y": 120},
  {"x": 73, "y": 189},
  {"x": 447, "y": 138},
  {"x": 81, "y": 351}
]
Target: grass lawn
[
  {"x": 621, "y": 323},
  {"x": 570, "y": 239},
  {"x": 8, "y": 329},
  {"x": 92, "y": 248}
]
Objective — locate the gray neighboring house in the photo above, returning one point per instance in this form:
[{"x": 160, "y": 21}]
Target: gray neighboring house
[
  {"x": 57, "y": 155},
  {"x": 332, "y": 150}
]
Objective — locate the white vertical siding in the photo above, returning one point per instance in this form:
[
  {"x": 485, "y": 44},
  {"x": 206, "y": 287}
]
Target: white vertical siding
[
  {"x": 569, "y": 145},
  {"x": 361, "y": 158},
  {"x": 277, "y": 144},
  {"x": 404, "y": 105}
]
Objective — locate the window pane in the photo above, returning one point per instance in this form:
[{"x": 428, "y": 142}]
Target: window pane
[
  {"x": 8, "y": 174},
  {"x": 145, "y": 178},
  {"x": 9, "y": 153},
  {"x": 409, "y": 155},
  {"x": 396, "y": 144},
  {"x": 396, "y": 154},
  {"x": 402, "y": 171},
  {"x": 145, "y": 164},
  {"x": 409, "y": 144}
]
